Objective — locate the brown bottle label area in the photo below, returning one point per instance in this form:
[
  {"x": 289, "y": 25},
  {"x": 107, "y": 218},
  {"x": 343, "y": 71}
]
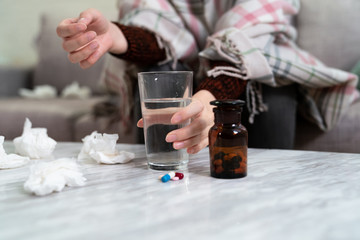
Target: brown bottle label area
[{"x": 228, "y": 162}]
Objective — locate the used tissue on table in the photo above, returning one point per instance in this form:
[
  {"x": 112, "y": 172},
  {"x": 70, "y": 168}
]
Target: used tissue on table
[
  {"x": 34, "y": 142},
  {"x": 39, "y": 92},
  {"x": 102, "y": 149},
  {"x": 10, "y": 160},
  {"x": 75, "y": 91},
  {"x": 48, "y": 177}
]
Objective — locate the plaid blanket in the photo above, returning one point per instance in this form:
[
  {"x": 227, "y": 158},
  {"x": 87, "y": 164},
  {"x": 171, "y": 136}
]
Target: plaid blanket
[{"x": 257, "y": 37}]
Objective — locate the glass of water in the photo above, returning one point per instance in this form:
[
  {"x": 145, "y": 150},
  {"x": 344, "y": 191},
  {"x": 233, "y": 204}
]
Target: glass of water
[{"x": 162, "y": 94}]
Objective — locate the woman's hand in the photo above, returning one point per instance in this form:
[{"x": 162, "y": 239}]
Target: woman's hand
[
  {"x": 89, "y": 36},
  {"x": 194, "y": 136}
]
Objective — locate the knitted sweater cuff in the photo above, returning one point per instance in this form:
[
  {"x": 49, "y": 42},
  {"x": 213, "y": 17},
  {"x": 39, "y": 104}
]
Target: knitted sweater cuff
[
  {"x": 143, "y": 47},
  {"x": 223, "y": 86}
]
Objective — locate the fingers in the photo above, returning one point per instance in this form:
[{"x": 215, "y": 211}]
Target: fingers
[
  {"x": 194, "y": 136},
  {"x": 183, "y": 139},
  {"x": 193, "y": 145},
  {"x": 84, "y": 53},
  {"x": 73, "y": 44},
  {"x": 196, "y": 148},
  {"x": 89, "y": 16},
  {"x": 188, "y": 112},
  {"x": 70, "y": 27},
  {"x": 140, "y": 123},
  {"x": 189, "y": 131},
  {"x": 90, "y": 60},
  {"x": 191, "y": 142}
]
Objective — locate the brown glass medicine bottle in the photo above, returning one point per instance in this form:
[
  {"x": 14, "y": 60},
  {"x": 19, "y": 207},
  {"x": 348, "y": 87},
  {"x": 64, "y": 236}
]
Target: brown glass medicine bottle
[{"x": 228, "y": 140}]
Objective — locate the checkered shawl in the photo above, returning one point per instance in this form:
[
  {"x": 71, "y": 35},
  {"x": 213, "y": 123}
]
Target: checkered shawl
[{"x": 257, "y": 38}]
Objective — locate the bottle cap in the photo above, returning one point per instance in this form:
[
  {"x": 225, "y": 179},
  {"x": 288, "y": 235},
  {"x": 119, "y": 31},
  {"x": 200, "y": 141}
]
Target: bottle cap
[{"x": 228, "y": 103}]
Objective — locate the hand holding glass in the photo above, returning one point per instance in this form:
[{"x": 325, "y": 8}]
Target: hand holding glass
[{"x": 162, "y": 94}]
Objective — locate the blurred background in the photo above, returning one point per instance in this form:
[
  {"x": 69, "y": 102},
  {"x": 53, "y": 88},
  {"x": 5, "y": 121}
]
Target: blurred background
[
  {"x": 20, "y": 24},
  {"x": 31, "y": 56}
]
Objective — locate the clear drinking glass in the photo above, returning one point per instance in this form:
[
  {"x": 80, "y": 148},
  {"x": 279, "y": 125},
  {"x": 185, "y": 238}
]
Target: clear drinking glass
[{"x": 161, "y": 95}]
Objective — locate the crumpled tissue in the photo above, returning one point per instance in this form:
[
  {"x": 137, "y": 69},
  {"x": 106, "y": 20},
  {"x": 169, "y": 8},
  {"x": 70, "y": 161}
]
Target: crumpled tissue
[
  {"x": 39, "y": 92},
  {"x": 34, "y": 142},
  {"x": 10, "y": 160},
  {"x": 48, "y": 177},
  {"x": 102, "y": 149},
  {"x": 75, "y": 91}
]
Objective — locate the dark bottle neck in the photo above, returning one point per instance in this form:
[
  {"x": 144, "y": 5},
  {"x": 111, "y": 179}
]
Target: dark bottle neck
[{"x": 227, "y": 115}]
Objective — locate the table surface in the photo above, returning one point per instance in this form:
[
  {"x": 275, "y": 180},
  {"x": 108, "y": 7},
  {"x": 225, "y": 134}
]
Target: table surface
[{"x": 286, "y": 195}]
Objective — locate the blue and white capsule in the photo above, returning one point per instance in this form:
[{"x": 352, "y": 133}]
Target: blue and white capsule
[{"x": 167, "y": 177}]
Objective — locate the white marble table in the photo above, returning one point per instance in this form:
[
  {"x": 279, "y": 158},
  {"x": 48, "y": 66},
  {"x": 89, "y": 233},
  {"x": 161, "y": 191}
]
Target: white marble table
[{"x": 286, "y": 195}]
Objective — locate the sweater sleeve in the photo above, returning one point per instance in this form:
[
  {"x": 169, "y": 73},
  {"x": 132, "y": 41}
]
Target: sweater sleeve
[
  {"x": 223, "y": 86},
  {"x": 143, "y": 47}
]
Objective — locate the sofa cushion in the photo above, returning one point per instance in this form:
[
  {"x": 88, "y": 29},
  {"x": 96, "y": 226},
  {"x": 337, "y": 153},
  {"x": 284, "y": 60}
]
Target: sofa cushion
[
  {"x": 345, "y": 137},
  {"x": 57, "y": 115},
  {"x": 329, "y": 30},
  {"x": 53, "y": 67},
  {"x": 13, "y": 78}
]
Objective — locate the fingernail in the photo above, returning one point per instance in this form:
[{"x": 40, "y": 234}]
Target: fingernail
[
  {"x": 178, "y": 145},
  {"x": 94, "y": 45},
  {"x": 82, "y": 20},
  {"x": 139, "y": 125},
  {"x": 91, "y": 35},
  {"x": 170, "y": 138},
  {"x": 81, "y": 27}
]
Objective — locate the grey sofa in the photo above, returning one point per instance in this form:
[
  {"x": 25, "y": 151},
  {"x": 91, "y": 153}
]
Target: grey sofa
[
  {"x": 322, "y": 34},
  {"x": 329, "y": 29}
]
